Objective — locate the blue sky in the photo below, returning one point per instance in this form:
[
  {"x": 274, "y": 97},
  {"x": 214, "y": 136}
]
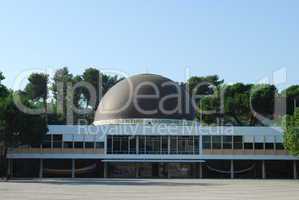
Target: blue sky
[{"x": 238, "y": 40}]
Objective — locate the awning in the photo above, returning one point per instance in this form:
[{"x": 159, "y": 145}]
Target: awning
[{"x": 154, "y": 161}]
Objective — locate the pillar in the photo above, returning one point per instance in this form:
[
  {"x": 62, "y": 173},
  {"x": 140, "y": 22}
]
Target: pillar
[
  {"x": 9, "y": 168},
  {"x": 264, "y": 170},
  {"x": 105, "y": 144},
  {"x": 41, "y": 168},
  {"x": 168, "y": 169},
  {"x": 168, "y": 145},
  {"x": 200, "y": 144},
  {"x": 105, "y": 169},
  {"x": 295, "y": 169},
  {"x": 137, "y": 170},
  {"x": 73, "y": 168},
  {"x": 232, "y": 169},
  {"x": 200, "y": 170}
]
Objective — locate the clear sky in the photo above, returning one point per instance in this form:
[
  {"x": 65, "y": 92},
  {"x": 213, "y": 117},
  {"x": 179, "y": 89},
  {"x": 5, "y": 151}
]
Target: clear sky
[{"x": 238, "y": 40}]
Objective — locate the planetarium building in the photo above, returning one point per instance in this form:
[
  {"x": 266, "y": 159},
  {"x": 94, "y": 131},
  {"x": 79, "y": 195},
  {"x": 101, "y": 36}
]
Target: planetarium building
[{"x": 145, "y": 127}]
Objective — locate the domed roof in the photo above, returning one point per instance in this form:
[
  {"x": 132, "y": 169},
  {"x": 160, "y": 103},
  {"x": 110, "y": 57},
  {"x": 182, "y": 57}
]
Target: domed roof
[{"x": 145, "y": 96}]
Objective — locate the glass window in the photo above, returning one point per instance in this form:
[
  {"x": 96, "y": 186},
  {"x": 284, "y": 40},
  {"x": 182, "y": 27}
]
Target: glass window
[
  {"x": 132, "y": 140},
  {"x": 269, "y": 145},
  {"x": 173, "y": 145},
  {"x": 89, "y": 144},
  {"x": 78, "y": 145},
  {"x": 206, "y": 142},
  {"x": 196, "y": 143},
  {"x": 109, "y": 144},
  {"x": 99, "y": 145},
  {"x": 185, "y": 145},
  {"x": 259, "y": 145},
  {"x": 227, "y": 142},
  {"x": 153, "y": 145},
  {"x": 238, "y": 142},
  {"x": 248, "y": 145},
  {"x": 120, "y": 144},
  {"x": 279, "y": 146},
  {"x": 68, "y": 144},
  {"x": 142, "y": 149},
  {"x": 164, "y": 144},
  {"x": 216, "y": 142}
]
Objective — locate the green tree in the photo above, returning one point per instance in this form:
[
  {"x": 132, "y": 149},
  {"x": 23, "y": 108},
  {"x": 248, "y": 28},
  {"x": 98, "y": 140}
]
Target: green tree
[
  {"x": 291, "y": 133},
  {"x": 37, "y": 88},
  {"x": 203, "y": 85},
  {"x": 207, "y": 89},
  {"x": 236, "y": 103},
  {"x": 3, "y": 90},
  {"x": 100, "y": 82},
  {"x": 62, "y": 79},
  {"x": 292, "y": 98},
  {"x": 19, "y": 128}
]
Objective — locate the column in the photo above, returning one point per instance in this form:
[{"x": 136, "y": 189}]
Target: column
[
  {"x": 41, "y": 168},
  {"x": 73, "y": 168},
  {"x": 105, "y": 144},
  {"x": 168, "y": 143},
  {"x": 51, "y": 141},
  {"x": 168, "y": 170},
  {"x": 105, "y": 169},
  {"x": 83, "y": 142},
  {"x": 137, "y": 170},
  {"x": 95, "y": 144},
  {"x": 232, "y": 169},
  {"x": 137, "y": 144},
  {"x": 161, "y": 144},
  {"x": 200, "y": 170},
  {"x": 9, "y": 168},
  {"x": 264, "y": 170},
  {"x": 73, "y": 141},
  {"x": 129, "y": 144},
  {"x": 193, "y": 143},
  {"x": 295, "y": 169},
  {"x": 200, "y": 144}
]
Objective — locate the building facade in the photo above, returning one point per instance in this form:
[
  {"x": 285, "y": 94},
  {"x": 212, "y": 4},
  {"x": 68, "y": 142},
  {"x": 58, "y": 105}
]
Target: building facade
[{"x": 131, "y": 143}]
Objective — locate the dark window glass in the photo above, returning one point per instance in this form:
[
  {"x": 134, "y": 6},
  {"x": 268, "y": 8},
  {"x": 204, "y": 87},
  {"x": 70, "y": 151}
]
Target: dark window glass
[
  {"x": 206, "y": 142},
  {"x": 109, "y": 144},
  {"x": 78, "y": 145},
  {"x": 99, "y": 145},
  {"x": 152, "y": 144},
  {"x": 164, "y": 144},
  {"x": 227, "y": 142},
  {"x": 89, "y": 144},
  {"x": 196, "y": 143},
  {"x": 141, "y": 144},
  {"x": 238, "y": 142},
  {"x": 279, "y": 146},
  {"x": 185, "y": 145},
  {"x": 57, "y": 138},
  {"x": 68, "y": 144},
  {"x": 259, "y": 145},
  {"x": 120, "y": 144},
  {"x": 132, "y": 149},
  {"x": 269, "y": 145},
  {"x": 216, "y": 142},
  {"x": 173, "y": 145},
  {"x": 248, "y": 145},
  {"x": 46, "y": 144}
]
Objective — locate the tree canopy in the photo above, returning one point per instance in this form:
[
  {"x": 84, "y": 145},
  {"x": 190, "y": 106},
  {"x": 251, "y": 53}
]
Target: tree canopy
[{"x": 291, "y": 133}]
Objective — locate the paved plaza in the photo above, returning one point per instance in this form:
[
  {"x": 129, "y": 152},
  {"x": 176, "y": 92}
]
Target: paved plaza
[{"x": 112, "y": 189}]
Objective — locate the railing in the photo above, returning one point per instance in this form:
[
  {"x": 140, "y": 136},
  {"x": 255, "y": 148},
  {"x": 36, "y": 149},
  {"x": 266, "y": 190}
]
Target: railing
[
  {"x": 244, "y": 152},
  {"x": 56, "y": 150}
]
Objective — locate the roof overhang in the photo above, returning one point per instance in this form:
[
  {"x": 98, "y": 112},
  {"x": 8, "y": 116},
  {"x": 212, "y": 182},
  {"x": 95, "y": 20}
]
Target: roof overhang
[{"x": 154, "y": 161}]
